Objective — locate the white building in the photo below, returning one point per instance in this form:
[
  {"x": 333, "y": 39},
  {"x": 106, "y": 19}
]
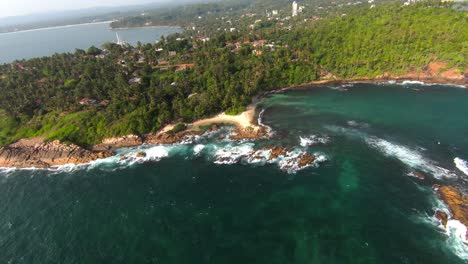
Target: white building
[{"x": 294, "y": 9}]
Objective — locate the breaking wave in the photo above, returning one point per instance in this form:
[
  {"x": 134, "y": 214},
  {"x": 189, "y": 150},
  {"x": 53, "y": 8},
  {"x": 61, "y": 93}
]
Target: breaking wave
[
  {"x": 413, "y": 82},
  {"x": 409, "y": 157},
  {"x": 454, "y": 229},
  {"x": 260, "y": 123},
  {"x": 420, "y": 83},
  {"x": 288, "y": 161},
  {"x": 313, "y": 140},
  {"x": 462, "y": 165},
  {"x": 218, "y": 153}
]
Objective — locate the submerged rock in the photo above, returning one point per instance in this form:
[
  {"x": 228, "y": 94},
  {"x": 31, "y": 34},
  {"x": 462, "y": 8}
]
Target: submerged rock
[
  {"x": 36, "y": 153},
  {"x": 141, "y": 155}
]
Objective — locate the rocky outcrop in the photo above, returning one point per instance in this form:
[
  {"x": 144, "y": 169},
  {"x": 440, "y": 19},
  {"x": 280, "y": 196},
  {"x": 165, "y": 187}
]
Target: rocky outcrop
[
  {"x": 170, "y": 138},
  {"x": 141, "y": 155},
  {"x": 442, "y": 217},
  {"x": 249, "y": 133},
  {"x": 39, "y": 154},
  {"x": 305, "y": 160},
  {"x": 118, "y": 142},
  {"x": 456, "y": 201},
  {"x": 275, "y": 152},
  {"x": 417, "y": 174},
  {"x": 437, "y": 72}
]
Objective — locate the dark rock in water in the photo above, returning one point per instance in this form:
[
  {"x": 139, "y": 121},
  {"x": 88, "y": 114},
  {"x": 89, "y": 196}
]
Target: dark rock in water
[
  {"x": 443, "y": 217},
  {"x": 417, "y": 174},
  {"x": 123, "y": 158},
  {"x": 249, "y": 133},
  {"x": 36, "y": 153},
  {"x": 276, "y": 151},
  {"x": 305, "y": 160},
  {"x": 141, "y": 155}
]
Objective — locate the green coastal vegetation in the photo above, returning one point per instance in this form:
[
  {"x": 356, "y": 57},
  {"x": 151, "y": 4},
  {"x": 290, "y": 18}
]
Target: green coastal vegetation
[{"x": 115, "y": 90}]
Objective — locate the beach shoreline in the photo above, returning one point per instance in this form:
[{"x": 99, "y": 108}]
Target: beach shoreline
[{"x": 245, "y": 125}]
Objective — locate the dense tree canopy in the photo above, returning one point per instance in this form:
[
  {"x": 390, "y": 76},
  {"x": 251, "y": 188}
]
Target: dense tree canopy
[{"x": 89, "y": 95}]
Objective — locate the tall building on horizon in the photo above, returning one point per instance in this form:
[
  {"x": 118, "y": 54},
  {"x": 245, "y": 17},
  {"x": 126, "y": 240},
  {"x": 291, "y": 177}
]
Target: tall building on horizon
[{"x": 294, "y": 9}]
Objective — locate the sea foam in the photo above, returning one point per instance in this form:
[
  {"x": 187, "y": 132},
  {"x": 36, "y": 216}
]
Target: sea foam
[
  {"x": 287, "y": 161},
  {"x": 313, "y": 140},
  {"x": 269, "y": 130},
  {"x": 457, "y": 238},
  {"x": 411, "y": 158},
  {"x": 462, "y": 165},
  {"x": 413, "y": 82},
  {"x": 198, "y": 149},
  {"x": 455, "y": 230}
]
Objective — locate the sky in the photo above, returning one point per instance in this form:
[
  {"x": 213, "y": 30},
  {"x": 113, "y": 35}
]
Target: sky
[{"x": 25, "y": 7}]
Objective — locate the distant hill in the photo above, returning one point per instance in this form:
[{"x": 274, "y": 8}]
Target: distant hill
[
  {"x": 90, "y": 95},
  {"x": 68, "y": 17}
]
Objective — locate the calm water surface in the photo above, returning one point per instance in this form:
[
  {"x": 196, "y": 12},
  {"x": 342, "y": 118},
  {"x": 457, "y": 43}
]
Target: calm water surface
[
  {"x": 45, "y": 42},
  {"x": 178, "y": 206}
]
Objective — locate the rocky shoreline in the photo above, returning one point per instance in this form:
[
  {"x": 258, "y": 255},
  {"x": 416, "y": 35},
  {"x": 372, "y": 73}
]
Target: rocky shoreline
[
  {"x": 457, "y": 202},
  {"x": 433, "y": 73},
  {"x": 35, "y": 153}
]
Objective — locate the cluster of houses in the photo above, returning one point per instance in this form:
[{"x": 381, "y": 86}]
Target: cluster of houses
[{"x": 256, "y": 44}]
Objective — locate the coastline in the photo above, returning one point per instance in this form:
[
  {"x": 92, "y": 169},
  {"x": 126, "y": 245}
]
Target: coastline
[
  {"x": 427, "y": 80},
  {"x": 55, "y": 27},
  {"x": 245, "y": 127},
  {"x": 124, "y": 28},
  {"x": 35, "y": 153}
]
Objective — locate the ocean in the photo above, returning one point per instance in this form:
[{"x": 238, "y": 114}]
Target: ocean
[
  {"x": 206, "y": 202},
  {"x": 47, "y": 41}
]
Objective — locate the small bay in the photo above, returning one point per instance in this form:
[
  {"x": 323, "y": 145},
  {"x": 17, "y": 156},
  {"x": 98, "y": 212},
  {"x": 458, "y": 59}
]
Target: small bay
[
  {"x": 178, "y": 205},
  {"x": 47, "y": 41}
]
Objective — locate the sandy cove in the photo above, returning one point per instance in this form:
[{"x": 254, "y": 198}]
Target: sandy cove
[
  {"x": 245, "y": 127},
  {"x": 243, "y": 120},
  {"x": 37, "y": 153}
]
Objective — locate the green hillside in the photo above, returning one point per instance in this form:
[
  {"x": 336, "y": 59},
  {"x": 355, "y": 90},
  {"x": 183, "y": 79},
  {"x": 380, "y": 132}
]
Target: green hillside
[{"x": 89, "y": 95}]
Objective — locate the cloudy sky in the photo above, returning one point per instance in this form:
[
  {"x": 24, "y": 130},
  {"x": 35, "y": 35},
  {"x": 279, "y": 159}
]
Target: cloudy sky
[{"x": 23, "y": 7}]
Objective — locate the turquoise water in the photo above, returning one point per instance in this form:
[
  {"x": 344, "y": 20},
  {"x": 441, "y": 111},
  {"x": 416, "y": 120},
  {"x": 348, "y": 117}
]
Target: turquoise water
[
  {"x": 45, "y": 42},
  {"x": 179, "y": 206}
]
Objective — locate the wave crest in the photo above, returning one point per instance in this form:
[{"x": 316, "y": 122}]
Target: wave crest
[
  {"x": 462, "y": 165},
  {"x": 411, "y": 158},
  {"x": 313, "y": 140}
]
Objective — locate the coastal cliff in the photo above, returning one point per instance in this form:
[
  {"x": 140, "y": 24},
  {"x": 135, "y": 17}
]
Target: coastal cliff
[{"x": 27, "y": 153}]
